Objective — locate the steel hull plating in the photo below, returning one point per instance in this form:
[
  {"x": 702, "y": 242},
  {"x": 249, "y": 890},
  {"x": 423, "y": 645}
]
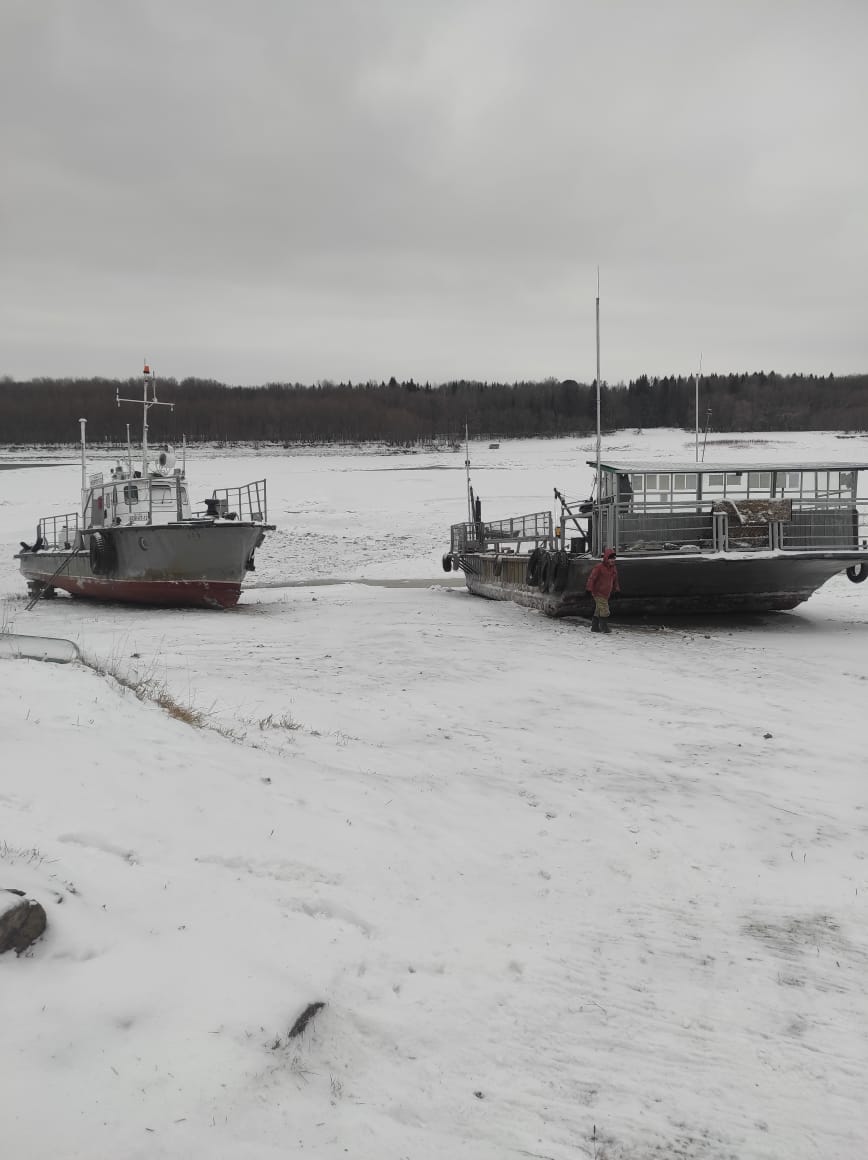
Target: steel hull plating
[
  {"x": 659, "y": 585},
  {"x": 184, "y": 564}
]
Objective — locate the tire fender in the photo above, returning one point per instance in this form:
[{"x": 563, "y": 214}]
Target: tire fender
[
  {"x": 545, "y": 571},
  {"x": 531, "y": 577}
]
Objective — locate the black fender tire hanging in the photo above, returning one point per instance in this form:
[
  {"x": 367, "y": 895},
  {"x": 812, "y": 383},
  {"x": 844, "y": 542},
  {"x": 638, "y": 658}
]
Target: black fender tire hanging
[
  {"x": 545, "y": 572},
  {"x": 531, "y": 577},
  {"x": 101, "y": 553},
  {"x": 857, "y": 573},
  {"x": 560, "y": 571}
]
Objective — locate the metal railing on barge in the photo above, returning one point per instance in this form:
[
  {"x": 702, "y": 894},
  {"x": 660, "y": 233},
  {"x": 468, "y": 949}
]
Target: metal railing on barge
[
  {"x": 736, "y": 525},
  {"x": 789, "y": 525},
  {"x": 536, "y": 529}
]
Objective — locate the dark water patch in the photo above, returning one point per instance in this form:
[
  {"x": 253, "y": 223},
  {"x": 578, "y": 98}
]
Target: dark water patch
[
  {"x": 21, "y": 466},
  {"x": 335, "y": 581}
]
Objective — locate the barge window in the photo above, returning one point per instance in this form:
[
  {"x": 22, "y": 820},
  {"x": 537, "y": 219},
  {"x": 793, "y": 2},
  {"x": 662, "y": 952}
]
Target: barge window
[
  {"x": 638, "y": 482},
  {"x": 715, "y": 479},
  {"x": 657, "y": 482},
  {"x": 685, "y": 482},
  {"x": 733, "y": 477},
  {"x": 761, "y": 480}
]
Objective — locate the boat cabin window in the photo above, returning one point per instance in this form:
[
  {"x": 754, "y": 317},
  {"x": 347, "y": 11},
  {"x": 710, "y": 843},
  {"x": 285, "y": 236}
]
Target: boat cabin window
[
  {"x": 637, "y": 482},
  {"x": 659, "y": 482},
  {"x": 658, "y": 486},
  {"x": 162, "y": 493},
  {"x": 684, "y": 482},
  {"x": 131, "y": 493},
  {"x": 759, "y": 481}
]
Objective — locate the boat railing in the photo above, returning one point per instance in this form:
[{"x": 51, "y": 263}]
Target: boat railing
[
  {"x": 58, "y": 531},
  {"x": 827, "y": 525},
  {"x": 124, "y": 499},
  {"x": 247, "y": 502},
  {"x": 735, "y": 525},
  {"x": 674, "y": 527},
  {"x": 510, "y": 534}
]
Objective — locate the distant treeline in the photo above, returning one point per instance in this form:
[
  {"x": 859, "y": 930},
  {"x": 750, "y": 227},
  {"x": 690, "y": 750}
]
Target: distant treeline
[{"x": 48, "y": 410}]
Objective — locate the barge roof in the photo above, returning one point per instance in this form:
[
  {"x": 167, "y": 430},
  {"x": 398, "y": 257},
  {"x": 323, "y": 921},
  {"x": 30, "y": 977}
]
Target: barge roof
[{"x": 649, "y": 467}]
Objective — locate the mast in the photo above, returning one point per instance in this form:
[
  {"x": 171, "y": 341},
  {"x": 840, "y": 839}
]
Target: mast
[
  {"x": 598, "y": 520},
  {"x": 471, "y": 515},
  {"x": 147, "y": 403},
  {"x": 696, "y": 405},
  {"x": 83, "y": 425}
]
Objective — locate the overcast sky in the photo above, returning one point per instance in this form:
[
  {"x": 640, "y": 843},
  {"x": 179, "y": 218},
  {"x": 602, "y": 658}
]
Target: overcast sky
[{"x": 279, "y": 190}]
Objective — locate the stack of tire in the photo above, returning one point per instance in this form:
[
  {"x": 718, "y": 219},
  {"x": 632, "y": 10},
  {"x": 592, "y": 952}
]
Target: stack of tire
[{"x": 547, "y": 571}]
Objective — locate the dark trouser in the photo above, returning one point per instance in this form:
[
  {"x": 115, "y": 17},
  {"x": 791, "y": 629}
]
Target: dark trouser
[{"x": 600, "y": 619}]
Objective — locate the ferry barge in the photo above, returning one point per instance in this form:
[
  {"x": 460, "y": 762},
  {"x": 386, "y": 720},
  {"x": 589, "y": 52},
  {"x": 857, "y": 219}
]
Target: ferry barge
[{"x": 690, "y": 538}]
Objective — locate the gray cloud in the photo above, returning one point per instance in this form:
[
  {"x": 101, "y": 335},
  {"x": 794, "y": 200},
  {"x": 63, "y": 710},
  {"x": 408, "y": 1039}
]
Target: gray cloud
[{"x": 288, "y": 190}]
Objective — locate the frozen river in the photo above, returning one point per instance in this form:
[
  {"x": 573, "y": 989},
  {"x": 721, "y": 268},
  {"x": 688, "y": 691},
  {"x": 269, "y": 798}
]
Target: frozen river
[{"x": 563, "y": 895}]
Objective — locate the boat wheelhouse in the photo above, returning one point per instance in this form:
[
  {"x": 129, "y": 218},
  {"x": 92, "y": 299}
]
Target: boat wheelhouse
[{"x": 690, "y": 538}]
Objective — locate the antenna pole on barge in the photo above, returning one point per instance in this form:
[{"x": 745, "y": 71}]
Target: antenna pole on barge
[
  {"x": 83, "y": 425},
  {"x": 696, "y": 378},
  {"x": 471, "y": 514},
  {"x": 598, "y": 521}
]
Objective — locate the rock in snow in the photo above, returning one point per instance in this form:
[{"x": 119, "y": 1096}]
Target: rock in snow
[{"x": 22, "y": 921}]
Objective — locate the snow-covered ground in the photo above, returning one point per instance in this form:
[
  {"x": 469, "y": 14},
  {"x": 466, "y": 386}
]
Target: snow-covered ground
[{"x": 562, "y": 895}]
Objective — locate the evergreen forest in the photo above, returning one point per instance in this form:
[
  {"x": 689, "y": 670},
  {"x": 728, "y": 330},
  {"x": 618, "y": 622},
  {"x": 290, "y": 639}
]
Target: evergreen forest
[{"x": 47, "y": 411}]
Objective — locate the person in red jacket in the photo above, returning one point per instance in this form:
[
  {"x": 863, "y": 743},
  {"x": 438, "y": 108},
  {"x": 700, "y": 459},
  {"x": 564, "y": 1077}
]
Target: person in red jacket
[{"x": 602, "y": 582}]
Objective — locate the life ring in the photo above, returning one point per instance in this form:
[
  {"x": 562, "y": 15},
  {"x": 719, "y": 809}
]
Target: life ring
[
  {"x": 857, "y": 573},
  {"x": 531, "y": 577}
]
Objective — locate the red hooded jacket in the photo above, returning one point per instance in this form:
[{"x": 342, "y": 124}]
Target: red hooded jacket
[{"x": 603, "y": 580}]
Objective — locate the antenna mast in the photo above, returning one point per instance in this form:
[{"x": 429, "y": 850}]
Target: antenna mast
[
  {"x": 471, "y": 515},
  {"x": 696, "y": 378},
  {"x": 147, "y": 403},
  {"x": 598, "y": 521}
]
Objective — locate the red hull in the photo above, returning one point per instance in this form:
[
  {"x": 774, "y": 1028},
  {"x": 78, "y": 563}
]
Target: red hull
[{"x": 167, "y": 593}]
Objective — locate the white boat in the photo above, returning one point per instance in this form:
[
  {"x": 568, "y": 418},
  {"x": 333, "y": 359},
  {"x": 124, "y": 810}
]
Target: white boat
[{"x": 137, "y": 537}]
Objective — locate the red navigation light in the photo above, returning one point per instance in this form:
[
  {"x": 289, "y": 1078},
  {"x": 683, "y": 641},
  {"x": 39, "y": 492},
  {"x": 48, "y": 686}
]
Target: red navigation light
[{"x": 147, "y": 370}]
